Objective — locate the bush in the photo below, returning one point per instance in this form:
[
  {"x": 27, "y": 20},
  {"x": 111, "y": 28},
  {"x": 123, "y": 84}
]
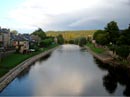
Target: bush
[
  {"x": 101, "y": 37},
  {"x": 46, "y": 42},
  {"x": 123, "y": 51},
  {"x": 34, "y": 46},
  {"x": 71, "y": 41},
  {"x": 82, "y": 41},
  {"x": 76, "y": 41},
  {"x": 60, "y": 39}
]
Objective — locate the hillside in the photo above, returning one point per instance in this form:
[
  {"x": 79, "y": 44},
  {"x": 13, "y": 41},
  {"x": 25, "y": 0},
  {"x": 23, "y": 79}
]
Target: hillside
[{"x": 68, "y": 35}]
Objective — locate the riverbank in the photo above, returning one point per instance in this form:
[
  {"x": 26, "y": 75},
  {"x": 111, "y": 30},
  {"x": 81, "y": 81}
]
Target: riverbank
[
  {"x": 12, "y": 74},
  {"x": 106, "y": 58}
]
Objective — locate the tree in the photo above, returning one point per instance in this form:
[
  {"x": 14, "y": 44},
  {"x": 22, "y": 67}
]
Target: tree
[
  {"x": 34, "y": 46},
  {"x": 124, "y": 38},
  {"x": 40, "y": 33},
  {"x": 60, "y": 39},
  {"x": 46, "y": 42},
  {"x": 112, "y": 29},
  {"x": 121, "y": 40},
  {"x": 14, "y": 32},
  {"x": 71, "y": 41},
  {"x": 101, "y": 37},
  {"x": 123, "y": 51},
  {"x": 76, "y": 41},
  {"x": 126, "y": 34},
  {"x": 97, "y": 33},
  {"x": 82, "y": 41}
]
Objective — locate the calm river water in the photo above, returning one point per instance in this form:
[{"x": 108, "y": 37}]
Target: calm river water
[{"x": 68, "y": 71}]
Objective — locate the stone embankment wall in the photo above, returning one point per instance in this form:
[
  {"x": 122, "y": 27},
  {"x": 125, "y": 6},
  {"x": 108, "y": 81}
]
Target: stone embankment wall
[
  {"x": 13, "y": 73},
  {"x": 104, "y": 59}
]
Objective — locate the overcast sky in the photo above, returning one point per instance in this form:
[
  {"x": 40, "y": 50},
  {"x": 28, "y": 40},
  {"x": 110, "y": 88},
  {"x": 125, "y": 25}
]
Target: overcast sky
[{"x": 27, "y": 15}]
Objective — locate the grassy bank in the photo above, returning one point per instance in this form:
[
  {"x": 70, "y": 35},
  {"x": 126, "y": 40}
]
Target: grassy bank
[
  {"x": 101, "y": 52},
  {"x": 14, "y": 59},
  {"x": 95, "y": 49}
]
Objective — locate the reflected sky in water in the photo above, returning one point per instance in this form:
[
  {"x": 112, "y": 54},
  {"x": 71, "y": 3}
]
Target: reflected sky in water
[{"x": 69, "y": 71}]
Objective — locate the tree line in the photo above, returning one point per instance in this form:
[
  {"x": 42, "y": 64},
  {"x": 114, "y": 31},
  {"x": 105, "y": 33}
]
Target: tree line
[
  {"x": 115, "y": 39},
  {"x": 73, "y": 37}
]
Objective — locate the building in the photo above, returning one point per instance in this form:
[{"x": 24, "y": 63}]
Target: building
[
  {"x": 4, "y": 37},
  {"x": 20, "y": 42}
]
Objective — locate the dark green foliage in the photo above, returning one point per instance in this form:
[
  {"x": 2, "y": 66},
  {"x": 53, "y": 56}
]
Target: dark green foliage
[
  {"x": 46, "y": 42},
  {"x": 82, "y": 41},
  {"x": 60, "y": 39},
  {"x": 117, "y": 41},
  {"x": 40, "y": 33},
  {"x": 113, "y": 30},
  {"x": 101, "y": 37},
  {"x": 97, "y": 33},
  {"x": 124, "y": 37},
  {"x": 123, "y": 51},
  {"x": 71, "y": 42},
  {"x": 121, "y": 40},
  {"x": 76, "y": 41},
  {"x": 112, "y": 47},
  {"x": 34, "y": 46},
  {"x": 112, "y": 26}
]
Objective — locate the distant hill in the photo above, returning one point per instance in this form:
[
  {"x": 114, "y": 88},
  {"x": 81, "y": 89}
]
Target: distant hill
[{"x": 68, "y": 35}]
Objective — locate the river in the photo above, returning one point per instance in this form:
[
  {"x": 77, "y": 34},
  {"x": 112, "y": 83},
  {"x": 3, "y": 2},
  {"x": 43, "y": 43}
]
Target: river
[{"x": 68, "y": 71}]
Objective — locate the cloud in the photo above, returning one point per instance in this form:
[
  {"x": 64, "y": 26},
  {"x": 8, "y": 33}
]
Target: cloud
[{"x": 70, "y": 14}]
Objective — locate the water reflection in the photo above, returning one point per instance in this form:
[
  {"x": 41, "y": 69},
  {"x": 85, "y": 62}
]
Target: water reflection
[
  {"x": 69, "y": 71},
  {"x": 45, "y": 57},
  {"x": 24, "y": 73},
  {"x": 27, "y": 70},
  {"x": 101, "y": 65},
  {"x": 127, "y": 90},
  {"x": 115, "y": 76},
  {"x": 110, "y": 83}
]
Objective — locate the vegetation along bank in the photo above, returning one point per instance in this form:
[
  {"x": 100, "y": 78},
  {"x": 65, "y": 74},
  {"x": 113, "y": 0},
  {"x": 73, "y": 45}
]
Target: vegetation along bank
[{"x": 112, "y": 46}]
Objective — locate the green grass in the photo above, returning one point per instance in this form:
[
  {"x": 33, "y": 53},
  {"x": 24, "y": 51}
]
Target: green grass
[
  {"x": 95, "y": 49},
  {"x": 14, "y": 59},
  {"x": 3, "y": 71}
]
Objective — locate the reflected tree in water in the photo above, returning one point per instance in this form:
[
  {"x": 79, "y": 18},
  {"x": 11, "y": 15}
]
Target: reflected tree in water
[
  {"x": 102, "y": 66},
  {"x": 110, "y": 83},
  {"x": 24, "y": 73},
  {"x": 44, "y": 58},
  {"x": 114, "y": 76},
  {"x": 127, "y": 90}
]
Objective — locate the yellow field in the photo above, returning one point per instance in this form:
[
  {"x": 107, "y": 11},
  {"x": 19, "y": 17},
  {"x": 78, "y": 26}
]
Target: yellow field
[{"x": 68, "y": 35}]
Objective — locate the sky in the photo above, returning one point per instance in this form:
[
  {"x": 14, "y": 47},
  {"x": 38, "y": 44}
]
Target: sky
[{"x": 25, "y": 16}]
